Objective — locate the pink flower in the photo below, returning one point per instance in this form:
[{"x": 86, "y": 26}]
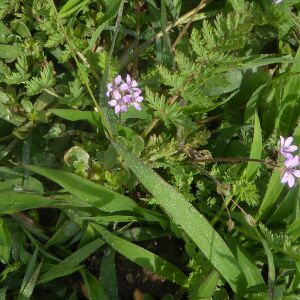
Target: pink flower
[
  {"x": 123, "y": 94},
  {"x": 286, "y": 148},
  {"x": 290, "y": 173}
]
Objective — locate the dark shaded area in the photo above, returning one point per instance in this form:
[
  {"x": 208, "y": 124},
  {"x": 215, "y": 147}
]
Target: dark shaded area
[{"x": 134, "y": 281}]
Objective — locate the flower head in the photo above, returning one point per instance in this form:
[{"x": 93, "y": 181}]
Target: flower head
[
  {"x": 286, "y": 148},
  {"x": 124, "y": 93},
  {"x": 290, "y": 173}
]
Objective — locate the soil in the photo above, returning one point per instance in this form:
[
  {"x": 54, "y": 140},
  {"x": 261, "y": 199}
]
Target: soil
[{"x": 134, "y": 281}]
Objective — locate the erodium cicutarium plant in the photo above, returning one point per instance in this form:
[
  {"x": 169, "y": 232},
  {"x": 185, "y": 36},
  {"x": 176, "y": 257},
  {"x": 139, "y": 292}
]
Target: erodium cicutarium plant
[{"x": 123, "y": 94}]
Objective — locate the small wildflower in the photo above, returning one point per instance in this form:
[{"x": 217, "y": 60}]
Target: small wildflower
[
  {"x": 290, "y": 173},
  {"x": 123, "y": 94},
  {"x": 286, "y": 148}
]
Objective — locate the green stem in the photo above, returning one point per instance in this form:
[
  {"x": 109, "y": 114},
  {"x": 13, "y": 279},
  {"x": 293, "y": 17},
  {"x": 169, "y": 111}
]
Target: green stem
[{"x": 234, "y": 160}]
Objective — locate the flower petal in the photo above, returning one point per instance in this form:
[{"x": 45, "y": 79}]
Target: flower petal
[
  {"x": 117, "y": 109},
  {"x": 291, "y": 181},
  {"x": 124, "y": 87},
  {"x": 288, "y": 141},
  {"x": 291, "y": 148},
  {"x": 136, "y": 106},
  {"x": 281, "y": 141},
  {"x": 116, "y": 94},
  {"x": 118, "y": 79},
  {"x": 296, "y": 173},
  {"x": 123, "y": 108},
  {"x": 126, "y": 98},
  {"x": 289, "y": 178},
  {"x": 113, "y": 102},
  {"x": 287, "y": 155},
  {"x": 128, "y": 79},
  {"x": 139, "y": 99},
  {"x": 292, "y": 162}
]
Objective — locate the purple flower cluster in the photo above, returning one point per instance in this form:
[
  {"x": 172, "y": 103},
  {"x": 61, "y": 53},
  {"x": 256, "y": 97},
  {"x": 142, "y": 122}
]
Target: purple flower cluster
[
  {"x": 291, "y": 162},
  {"x": 123, "y": 94}
]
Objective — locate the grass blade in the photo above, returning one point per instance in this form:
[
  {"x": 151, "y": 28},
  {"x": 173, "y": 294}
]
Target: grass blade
[
  {"x": 143, "y": 257},
  {"x": 28, "y": 289},
  {"x": 94, "y": 287},
  {"x": 71, "y": 263},
  {"x": 108, "y": 274},
  {"x": 256, "y": 150},
  {"x": 189, "y": 219}
]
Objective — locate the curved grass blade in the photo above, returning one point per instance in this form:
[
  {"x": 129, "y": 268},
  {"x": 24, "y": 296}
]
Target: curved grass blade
[
  {"x": 142, "y": 257},
  {"x": 252, "y": 273},
  {"x": 207, "y": 288},
  {"x": 271, "y": 266},
  {"x": 71, "y": 263},
  {"x": 95, "y": 194},
  {"x": 256, "y": 149},
  {"x": 108, "y": 273},
  {"x": 29, "y": 287},
  {"x": 273, "y": 191},
  {"x": 189, "y": 219},
  {"x": 30, "y": 269},
  {"x": 13, "y": 202},
  {"x": 94, "y": 287},
  {"x": 72, "y": 6},
  {"x": 110, "y": 14}
]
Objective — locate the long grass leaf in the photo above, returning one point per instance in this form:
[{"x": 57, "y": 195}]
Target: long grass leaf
[
  {"x": 189, "y": 219},
  {"x": 71, "y": 263},
  {"x": 256, "y": 149},
  {"x": 143, "y": 257},
  {"x": 95, "y": 194}
]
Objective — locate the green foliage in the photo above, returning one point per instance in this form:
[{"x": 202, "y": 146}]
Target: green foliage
[{"x": 165, "y": 194}]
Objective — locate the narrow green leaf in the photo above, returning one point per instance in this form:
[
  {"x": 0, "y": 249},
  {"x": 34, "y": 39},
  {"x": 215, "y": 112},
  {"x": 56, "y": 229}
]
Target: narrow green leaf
[
  {"x": 15, "y": 177},
  {"x": 71, "y": 263},
  {"x": 29, "y": 287},
  {"x": 285, "y": 209},
  {"x": 271, "y": 266},
  {"x": 252, "y": 273},
  {"x": 273, "y": 191},
  {"x": 110, "y": 14},
  {"x": 63, "y": 234},
  {"x": 290, "y": 110},
  {"x": 108, "y": 274},
  {"x": 294, "y": 229},
  {"x": 77, "y": 115},
  {"x": 94, "y": 286},
  {"x": 72, "y": 6},
  {"x": 142, "y": 257},
  {"x": 14, "y": 202},
  {"x": 3, "y": 294},
  {"x": 29, "y": 270},
  {"x": 256, "y": 150},
  {"x": 189, "y": 219},
  {"x": 95, "y": 194},
  {"x": 5, "y": 242},
  {"x": 207, "y": 287}
]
